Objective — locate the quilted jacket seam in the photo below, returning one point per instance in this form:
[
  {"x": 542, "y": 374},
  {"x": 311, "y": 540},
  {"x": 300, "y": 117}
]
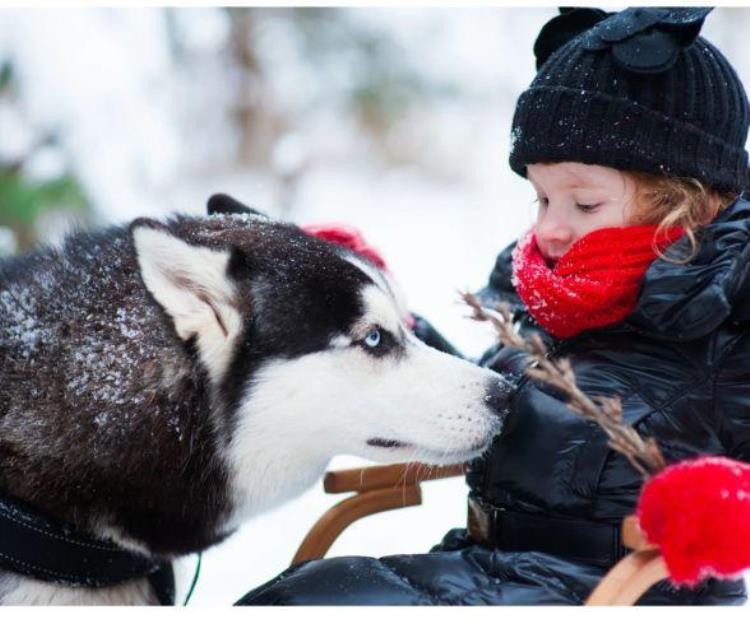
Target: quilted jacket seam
[{"x": 412, "y": 585}]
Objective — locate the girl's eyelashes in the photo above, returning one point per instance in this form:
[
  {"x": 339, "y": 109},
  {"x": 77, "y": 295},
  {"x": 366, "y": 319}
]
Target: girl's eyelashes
[{"x": 584, "y": 207}]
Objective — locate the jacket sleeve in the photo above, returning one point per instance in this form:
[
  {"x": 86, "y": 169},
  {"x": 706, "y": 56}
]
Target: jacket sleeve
[
  {"x": 432, "y": 337},
  {"x": 468, "y": 576},
  {"x": 732, "y": 399}
]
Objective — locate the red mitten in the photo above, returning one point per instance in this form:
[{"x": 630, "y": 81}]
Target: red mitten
[{"x": 698, "y": 513}]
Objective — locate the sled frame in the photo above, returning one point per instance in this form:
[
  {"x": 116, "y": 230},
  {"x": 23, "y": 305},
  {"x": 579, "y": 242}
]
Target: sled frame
[{"x": 389, "y": 487}]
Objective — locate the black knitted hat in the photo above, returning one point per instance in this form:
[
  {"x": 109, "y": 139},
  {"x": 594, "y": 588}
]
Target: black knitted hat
[{"x": 636, "y": 90}]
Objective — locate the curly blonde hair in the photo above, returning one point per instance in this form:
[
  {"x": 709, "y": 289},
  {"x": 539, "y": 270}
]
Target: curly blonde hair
[{"x": 676, "y": 202}]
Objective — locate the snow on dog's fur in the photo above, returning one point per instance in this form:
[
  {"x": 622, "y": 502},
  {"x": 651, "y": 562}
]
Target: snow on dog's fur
[{"x": 161, "y": 382}]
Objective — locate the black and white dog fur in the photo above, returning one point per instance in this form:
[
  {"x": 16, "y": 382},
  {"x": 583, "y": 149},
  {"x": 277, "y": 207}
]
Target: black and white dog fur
[{"x": 162, "y": 382}]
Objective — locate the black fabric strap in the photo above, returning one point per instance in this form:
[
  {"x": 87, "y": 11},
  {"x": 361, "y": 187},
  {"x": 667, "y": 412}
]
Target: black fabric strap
[
  {"x": 588, "y": 541},
  {"x": 46, "y": 549},
  {"x": 162, "y": 581}
]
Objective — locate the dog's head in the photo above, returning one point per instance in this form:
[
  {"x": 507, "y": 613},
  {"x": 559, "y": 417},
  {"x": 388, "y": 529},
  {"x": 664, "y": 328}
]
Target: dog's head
[{"x": 307, "y": 353}]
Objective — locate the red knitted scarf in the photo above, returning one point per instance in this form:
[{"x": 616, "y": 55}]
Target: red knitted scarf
[{"x": 594, "y": 284}]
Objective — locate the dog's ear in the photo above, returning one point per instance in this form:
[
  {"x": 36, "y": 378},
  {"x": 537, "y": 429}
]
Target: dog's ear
[
  {"x": 192, "y": 285},
  {"x": 224, "y": 204}
]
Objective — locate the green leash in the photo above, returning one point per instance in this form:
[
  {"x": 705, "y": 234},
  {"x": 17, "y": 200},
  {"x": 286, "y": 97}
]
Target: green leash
[{"x": 195, "y": 580}]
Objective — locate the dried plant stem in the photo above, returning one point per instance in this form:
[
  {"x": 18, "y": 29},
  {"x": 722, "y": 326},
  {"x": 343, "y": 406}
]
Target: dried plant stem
[{"x": 644, "y": 455}]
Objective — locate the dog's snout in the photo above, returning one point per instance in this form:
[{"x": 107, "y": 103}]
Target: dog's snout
[{"x": 498, "y": 396}]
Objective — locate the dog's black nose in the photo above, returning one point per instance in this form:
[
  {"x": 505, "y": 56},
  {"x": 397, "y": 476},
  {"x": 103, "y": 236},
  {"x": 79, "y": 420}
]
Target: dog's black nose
[{"x": 498, "y": 396}]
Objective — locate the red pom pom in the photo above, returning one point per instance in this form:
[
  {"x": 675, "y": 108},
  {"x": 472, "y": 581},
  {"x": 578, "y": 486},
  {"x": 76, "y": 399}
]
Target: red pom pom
[
  {"x": 698, "y": 514},
  {"x": 346, "y": 237}
]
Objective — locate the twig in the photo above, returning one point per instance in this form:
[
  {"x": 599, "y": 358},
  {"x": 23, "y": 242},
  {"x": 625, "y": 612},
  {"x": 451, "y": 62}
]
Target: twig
[{"x": 644, "y": 455}]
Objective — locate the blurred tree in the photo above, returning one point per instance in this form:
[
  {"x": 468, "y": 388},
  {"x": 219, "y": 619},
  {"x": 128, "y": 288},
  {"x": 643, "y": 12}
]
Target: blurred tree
[
  {"x": 378, "y": 83},
  {"x": 22, "y": 202},
  {"x": 351, "y": 64},
  {"x": 6, "y": 75},
  {"x": 23, "y": 199},
  {"x": 255, "y": 110}
]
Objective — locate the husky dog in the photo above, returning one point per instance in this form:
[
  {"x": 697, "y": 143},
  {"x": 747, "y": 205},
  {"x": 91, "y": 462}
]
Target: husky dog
[{"x": 163, "y": 381}]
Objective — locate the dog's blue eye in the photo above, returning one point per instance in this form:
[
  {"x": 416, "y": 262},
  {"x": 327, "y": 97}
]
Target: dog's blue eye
[{"x": 373, "y": 339}]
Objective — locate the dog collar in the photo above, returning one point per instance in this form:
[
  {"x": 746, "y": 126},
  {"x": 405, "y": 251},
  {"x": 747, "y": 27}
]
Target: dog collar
[{"x": 47, "y": 549}]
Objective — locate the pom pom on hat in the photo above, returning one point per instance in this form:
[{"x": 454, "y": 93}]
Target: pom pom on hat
[{"x": 698, "y": 513}]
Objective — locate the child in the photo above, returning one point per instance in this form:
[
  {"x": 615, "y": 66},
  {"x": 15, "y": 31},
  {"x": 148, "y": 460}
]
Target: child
[{"x": 633, "y": 135}]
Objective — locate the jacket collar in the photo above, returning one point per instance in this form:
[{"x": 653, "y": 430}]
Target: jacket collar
[
  {"x": 39, "y": 546},
  {"x": 684, "y": 302}
]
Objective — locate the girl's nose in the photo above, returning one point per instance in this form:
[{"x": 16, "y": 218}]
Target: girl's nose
[{"x": 552, "y": 230}]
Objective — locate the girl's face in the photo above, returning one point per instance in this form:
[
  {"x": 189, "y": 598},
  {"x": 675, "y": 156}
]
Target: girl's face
[{"x": 575, "y": 199}]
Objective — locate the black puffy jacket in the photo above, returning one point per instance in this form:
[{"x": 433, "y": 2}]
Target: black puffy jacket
[{"x": 681, "y": 364}]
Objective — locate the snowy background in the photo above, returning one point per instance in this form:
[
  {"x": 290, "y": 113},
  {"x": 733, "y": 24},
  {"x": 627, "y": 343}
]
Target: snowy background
[{"x": 394, "y": 121}]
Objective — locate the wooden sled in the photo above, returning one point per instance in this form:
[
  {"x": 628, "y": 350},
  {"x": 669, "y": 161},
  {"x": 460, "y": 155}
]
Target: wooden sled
[{"x": 388, "y": 487}]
